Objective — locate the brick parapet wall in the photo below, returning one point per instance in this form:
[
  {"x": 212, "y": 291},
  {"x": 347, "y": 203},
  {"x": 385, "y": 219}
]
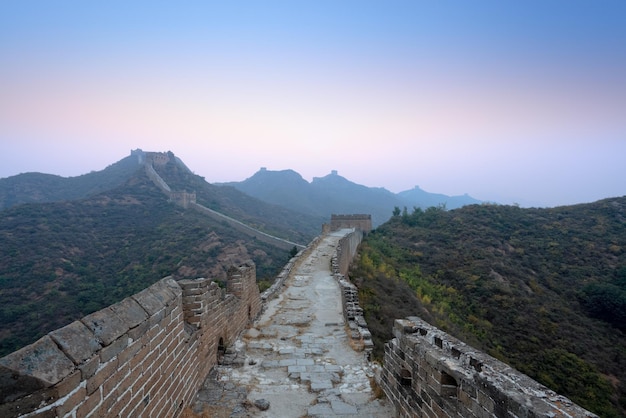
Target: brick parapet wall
[
  {"x": 352, "y": 311},
  {"x": 293, "y": 264},
  {"x": 144, "y": 356},
  {"x": 428, "y": 373},
  {"x": 358, "y": 221},
  {"x": 241, "y": 227}
]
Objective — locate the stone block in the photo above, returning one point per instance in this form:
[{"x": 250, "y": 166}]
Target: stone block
[
  {"x": 342, "y": 408},
  {"x": 26, "y": 405},
  {"x": 130, "y": 312},
  {"x": 39, "y": 365},
  {"x": 77, "y": 341},
  {"x": 485, "y": 401},
  {"x": 189, "y": 284},
  {"x": 149, "y": 301},
  {"x": 105, "y": 325},
  {"x": 156, "y": 318},
  {"x": 296, "y": 369},
  {"x": 172, "y": 286},
  {"x": 320, "y": 385}
]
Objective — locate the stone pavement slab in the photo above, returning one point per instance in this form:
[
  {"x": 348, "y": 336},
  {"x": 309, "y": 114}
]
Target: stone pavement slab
[{"x": 298, "y": 356}]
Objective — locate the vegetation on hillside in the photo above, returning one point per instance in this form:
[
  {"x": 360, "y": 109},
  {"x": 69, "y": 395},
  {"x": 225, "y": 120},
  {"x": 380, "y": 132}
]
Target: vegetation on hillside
[
  {"x": 61, "y": 261},
  {"x": 41, "y": 188},
  {"x": 541, "y": 289}
]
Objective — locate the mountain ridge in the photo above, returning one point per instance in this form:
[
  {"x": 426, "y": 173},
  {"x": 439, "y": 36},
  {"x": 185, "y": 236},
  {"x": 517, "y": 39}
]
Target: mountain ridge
[{"x": 336, "y": 194}]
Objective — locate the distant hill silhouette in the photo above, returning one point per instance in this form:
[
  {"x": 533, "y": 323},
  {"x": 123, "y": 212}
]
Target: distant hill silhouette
[
  {"x": 422, "y": 199},
  {"x": 336, "y": 194},
  {"x": 41, "y": 188}
]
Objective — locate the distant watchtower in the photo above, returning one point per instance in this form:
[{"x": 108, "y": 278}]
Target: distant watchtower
[{"x": 357, "y": 221}]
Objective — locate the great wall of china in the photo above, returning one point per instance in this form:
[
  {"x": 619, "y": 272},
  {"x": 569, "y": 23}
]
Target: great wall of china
[{"x": 149, "y": 354}]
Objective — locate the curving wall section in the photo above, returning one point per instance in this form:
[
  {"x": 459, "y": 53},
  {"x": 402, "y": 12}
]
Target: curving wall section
[
  {"x": 428, "y": 373},
  {"x": 145, "y": 356}
]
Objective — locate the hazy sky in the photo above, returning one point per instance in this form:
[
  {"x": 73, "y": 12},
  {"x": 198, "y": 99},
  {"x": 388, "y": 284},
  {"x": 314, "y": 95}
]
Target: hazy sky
[{"x": 509, "y": 101}]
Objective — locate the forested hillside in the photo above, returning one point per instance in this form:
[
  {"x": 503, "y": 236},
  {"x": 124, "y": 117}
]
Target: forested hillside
[
  {"x": 63, "y": 260},
  {"x": 541, "y": 289},
  {"x": 40, "y": 187}
]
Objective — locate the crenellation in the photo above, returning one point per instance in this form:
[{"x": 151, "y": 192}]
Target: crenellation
[
  {"x": 453, "y": 379},
  {"x": 362, "y": 222}
]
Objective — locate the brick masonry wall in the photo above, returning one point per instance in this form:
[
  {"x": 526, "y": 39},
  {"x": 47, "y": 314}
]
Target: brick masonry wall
[
  {"x": 346, "y": 250},
  {"x": 358, "y": 221},
  {"x": 428, "y": 373},
  {"x": 352, "y": 312},
  {"x": 144, "y": 356},
  {"x": 291, "y": 265},
  {"x": 241, "y": 227}
]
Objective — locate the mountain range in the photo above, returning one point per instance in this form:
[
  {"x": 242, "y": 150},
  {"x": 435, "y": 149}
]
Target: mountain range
[
  {"x": 320, "y": 198},
  {"x": 336, "y": 194}
]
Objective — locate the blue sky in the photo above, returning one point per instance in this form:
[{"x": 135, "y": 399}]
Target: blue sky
[{"x": 513, "y": 102}]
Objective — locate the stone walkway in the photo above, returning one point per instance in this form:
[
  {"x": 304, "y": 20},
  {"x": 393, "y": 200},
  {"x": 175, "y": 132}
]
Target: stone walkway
[{"x": 297, "y": 360}]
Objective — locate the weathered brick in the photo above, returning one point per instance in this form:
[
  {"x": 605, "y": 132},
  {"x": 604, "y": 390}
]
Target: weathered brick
[
  {"x": 485, "y": 401},
  {"x": 114, "y": 381},
  {"x": 90, "y": 404},
  {"x": 139, "y": 331},
  {"x": 113, "y": 349},
  {"x": 141, "y": 382},
  {"x": 138, "y": 358},
  {"x": 103, "y": 373},
  {"x": 68, "y": 384},
  {"x": 89, "y": 367},
  {"x": 119, "y": 405},
  {"x": 71, "y": 402},
  {"x": 153, "y": 332},
  {"x": 109, "y": 401}
]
